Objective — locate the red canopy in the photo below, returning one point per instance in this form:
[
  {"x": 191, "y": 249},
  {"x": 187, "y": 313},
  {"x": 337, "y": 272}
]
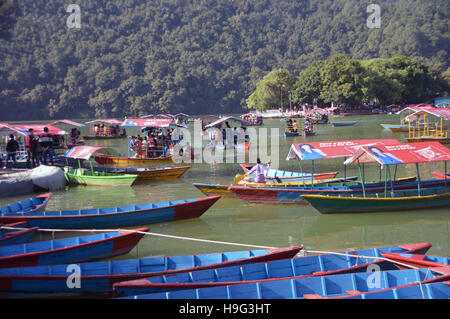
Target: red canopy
[
  {"x": 406, "y": 153},
  {"x": 331, "y": 149},
  {"x": 22, "y": 129},
  {"x": 85, "y": 152},
  {"x": 106, "y": 121},
  {"x": 150, "y": 122}
]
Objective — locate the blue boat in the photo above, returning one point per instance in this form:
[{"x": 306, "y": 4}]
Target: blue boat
[
  {"x": 18, "y": 236},
  {"x": 349, "y": 123},
  {"x": 302, "y": 267},
  {"x": 30, "y": 205},
  {"x": 437, "y": 290},
  {"x": 123, "y": 216},
  {"x": 70, "y": 250},
  {"x": 100, "y": 276},
  {"x": 335, "y": 286}
]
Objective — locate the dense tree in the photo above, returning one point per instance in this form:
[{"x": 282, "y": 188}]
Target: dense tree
[{"x": 134, "y": 57}]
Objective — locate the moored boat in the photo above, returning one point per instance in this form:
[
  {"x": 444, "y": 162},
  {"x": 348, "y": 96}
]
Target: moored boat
[
  {"x": 349, "y": 123},
  {"x": 405, "y": 261},
  {"x": 290, "y": 176},
  {"x": 30, "y": 205},
  {"x": 18, "y": 236},
  {"x": 100, "y": 276},
  {"x": 70, "y": 250},
  {"x": 149, "y": 173},
  {"x": 335, "y": 286},
  {"x": 101, "y": 218},
  {"x": 301, "y": 267},
  {"x": 80, "y": 176},
  {"x": 126, "y": 161}
]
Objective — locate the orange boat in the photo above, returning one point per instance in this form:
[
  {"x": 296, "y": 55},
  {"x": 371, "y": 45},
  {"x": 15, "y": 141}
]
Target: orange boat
[{"x": 125, "y": 161}]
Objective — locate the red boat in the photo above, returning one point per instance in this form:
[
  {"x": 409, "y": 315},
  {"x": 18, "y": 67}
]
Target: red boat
[
  {"x": 441, "y": 175},
  {"x": 18, "y": 236}
]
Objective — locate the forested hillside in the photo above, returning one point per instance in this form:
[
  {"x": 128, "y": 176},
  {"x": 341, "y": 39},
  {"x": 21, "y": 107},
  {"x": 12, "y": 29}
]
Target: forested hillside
[{"x": 136, "y": 57}]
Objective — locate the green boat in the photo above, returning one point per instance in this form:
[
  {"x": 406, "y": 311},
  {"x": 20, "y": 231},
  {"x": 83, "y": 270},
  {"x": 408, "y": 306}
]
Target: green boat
[
  {"x": 79, "y": 176},
  {"x": 394, "y": 201}
]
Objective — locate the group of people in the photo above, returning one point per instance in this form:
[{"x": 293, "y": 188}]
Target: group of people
[
  {"x": 111, "y": 130},
  {"x": 39, "y": 149},
  {"x": 154, "y": 144}
]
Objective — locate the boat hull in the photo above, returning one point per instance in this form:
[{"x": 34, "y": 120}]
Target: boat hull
[
  {"x": 100, "y": 277},
  {"x": 116, "y": 216},
  {"x": 31, "y": 205},
  {"x": 124, "y": 161},
  {"x": 19, "y": 236},
  {"x": 80, "y": 176},
  {"x": 336, "y": 124},
  {"x": 70, "y": 249},
  {"x": 295, "y": 196},
  {"x": 335, "y": 204}
]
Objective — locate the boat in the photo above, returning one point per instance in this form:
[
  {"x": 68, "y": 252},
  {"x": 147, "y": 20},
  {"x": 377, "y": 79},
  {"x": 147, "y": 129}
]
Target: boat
[
  {"x": 30, "y": 205},
  {"x": 436, "y": 290},
  {"x": 100, "y": 276},
  {"x": 292, "y": 195},
  {"x": 80, "y": 176},
  {"x": 441, "y": 175},
  {"x": 349, "y": 123},
  {"x": 126, "y": 161},
  {"x": 149, "y": 173},
  {"x": 70, "y": 250},
  {"x": 395, "y": 200},
  {"x": 18, "y": 236},
  {"x": 396, "y": 127},
  {"x": 97, "y": 133},
  {"x": 224, "y": 189},
  {"x": 122, "y": 216},
  {"x": 300, "y": 267},
  {"x": 336, "y": 286},
  {"x": 405, "y": 261},
  {"x": 288, "y": 175}
]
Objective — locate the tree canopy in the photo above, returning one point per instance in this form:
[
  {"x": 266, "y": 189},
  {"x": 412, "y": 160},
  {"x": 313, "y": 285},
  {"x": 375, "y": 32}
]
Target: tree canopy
[{"x": 134, "y": 57}]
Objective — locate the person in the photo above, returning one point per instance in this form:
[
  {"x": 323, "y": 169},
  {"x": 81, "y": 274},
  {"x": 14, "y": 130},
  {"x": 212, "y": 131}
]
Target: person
[
  {"x": 11, "y": 148},
  {"x": 152, "y": 145},
  {"x": 132, "y": 144},
  {"x": 258, "y": 170},
  {"x": 31, "y": 144},
  {"x": 145, "y": 146},
  {"x": 46, "y": 144}
]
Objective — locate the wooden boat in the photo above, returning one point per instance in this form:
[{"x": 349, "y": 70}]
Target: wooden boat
[
  {"x": 441, "y": 175},
  {"x": 396, "y": 127},
  {"x": 289, "y": 134},
  {"x": 125, "y": 161},
  {"x": 224, "y": 189},
  {"x": 301, "y": 267},
  {"x": 281, "y": 175},
  {"x": 436, "y": 290},
  {"x": 349, "y": 123},
  {"x": 336, "y": 286},
  {"x": 101, "y": 218},
  {"x": 105, "y": 135},
  {"x": 18, "y": 236},
  {"x": 30, "y": 205},
  {"x": 80, "y": 176},
  {"x": 402, "y": 200},
  {"x": 292, "y": 195},
  {"x": 100, "y": 276},
  {"x": 70, "y": 250},
  {"x": 151, "y": 173},
  {"x": 406, "y": 261}
]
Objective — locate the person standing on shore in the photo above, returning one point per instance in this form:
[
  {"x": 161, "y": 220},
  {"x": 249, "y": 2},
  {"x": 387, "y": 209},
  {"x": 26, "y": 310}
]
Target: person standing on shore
[
  {"x": 31, "y": 147},
  {"x": 11, "y": 148},
  {"x": 46, "y": 143}
]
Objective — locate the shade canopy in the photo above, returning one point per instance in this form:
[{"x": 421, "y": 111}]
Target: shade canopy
[
  {"x": 331, "y": 149},
  {"x": 22, "y": 129},
  {"x": 404, "y": 153},
  {"x": 443, "y": 113},
  {"x": 67, "y": 122},
  {"x": 106, "y": 121},
  {"x": 150, "y": 122},
  {"x": 85, "y": 152},
  {"x": 231, "y": 119}
]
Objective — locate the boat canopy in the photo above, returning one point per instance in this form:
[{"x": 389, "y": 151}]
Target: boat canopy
[
  {"x": 150, "y": 122},
  {"x": 404, "y": 153},
  {"x": 85, "y": 152},
  {"x": 228, "y": 119},
  {"x": 22, "y": 129},
  {"x": 106, "y": 121},
  {"x": 331, "y": 149},
  {"x": 443, "y": 113},
  {"x": 67, "y": 122}
]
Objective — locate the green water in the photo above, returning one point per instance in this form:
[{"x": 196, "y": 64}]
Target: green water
[{"x": 231, "y": 220}]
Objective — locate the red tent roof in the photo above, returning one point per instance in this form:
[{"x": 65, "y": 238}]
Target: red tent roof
[
  {"x": 406, "y": 153},
  {"x": 85, "y": 152},
  {"x": 38, "y": 129},
  {"x": 331, "y": 149}
]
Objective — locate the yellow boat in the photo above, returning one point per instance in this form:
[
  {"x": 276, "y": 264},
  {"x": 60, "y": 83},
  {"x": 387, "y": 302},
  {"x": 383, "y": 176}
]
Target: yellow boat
[{"x": 125, "y": 161}]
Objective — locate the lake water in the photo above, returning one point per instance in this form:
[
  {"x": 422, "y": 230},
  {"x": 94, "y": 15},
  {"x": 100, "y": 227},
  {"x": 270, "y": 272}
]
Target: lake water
[{"x": 232, "y": 220}]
